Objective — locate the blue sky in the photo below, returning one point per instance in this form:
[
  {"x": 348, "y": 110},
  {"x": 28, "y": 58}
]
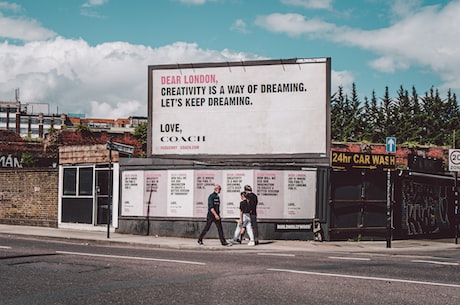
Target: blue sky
[{"x": 91, "y": 56}]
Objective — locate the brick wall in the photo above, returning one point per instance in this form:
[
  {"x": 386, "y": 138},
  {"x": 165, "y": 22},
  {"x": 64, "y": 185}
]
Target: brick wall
[{"x": 29, "y": 197}]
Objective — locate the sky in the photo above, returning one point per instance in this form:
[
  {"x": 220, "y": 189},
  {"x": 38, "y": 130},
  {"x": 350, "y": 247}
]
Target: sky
[{"x": 91, "y": 56}]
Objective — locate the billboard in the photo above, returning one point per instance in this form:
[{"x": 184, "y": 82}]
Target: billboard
[
  {"x": 255, "y": 108},
  {"x": 283, "y": 194}
]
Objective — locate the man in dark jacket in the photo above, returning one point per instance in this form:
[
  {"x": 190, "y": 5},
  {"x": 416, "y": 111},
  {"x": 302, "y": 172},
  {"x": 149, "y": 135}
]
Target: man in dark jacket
[
  {"x": 253, "y": 200},
  {"x": 214, "y": 217}
]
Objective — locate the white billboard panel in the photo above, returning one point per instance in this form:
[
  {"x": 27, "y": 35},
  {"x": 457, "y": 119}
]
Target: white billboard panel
[
  {"x": 155, "y": 193},
  {"x": 233, "y": 182},
  {"x": 180, "y": 193},
  {"x": 270, "y": 192},
  {"x": 204, "y": 186},
  {"x": 255, "y": 108},
  {"x": 300, "y": 194},
  {"x": 184, "y": 193},
  {"x": 132, "y": 185}
]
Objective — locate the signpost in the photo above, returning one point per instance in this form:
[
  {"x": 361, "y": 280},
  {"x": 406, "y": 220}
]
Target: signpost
[
  {"x": 390, "y": 147},
  {"x": 123, "y": 148},
  {"x": 454, "y": 166}
]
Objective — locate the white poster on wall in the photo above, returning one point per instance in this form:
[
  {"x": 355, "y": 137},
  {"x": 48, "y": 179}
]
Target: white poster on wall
[
  {"x": 300, "y": 195},
  {"x": 180, "y": 193},
  {"x": 204, "y": 186},
  {"x": 270, "y": 192},
  {"x": 155, "y": 193},
  {"x": 184, "y": 193},
  {"x": 279, "y": 104},
  {"x": 233, "y": 182},
  {"x": 132, "y": 185}
]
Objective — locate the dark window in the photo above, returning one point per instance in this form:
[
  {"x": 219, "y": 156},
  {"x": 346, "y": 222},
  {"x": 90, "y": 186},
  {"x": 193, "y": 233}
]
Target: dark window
[
  {"x": 70, "y": 181},
  {"x": 85, "y": 179}
]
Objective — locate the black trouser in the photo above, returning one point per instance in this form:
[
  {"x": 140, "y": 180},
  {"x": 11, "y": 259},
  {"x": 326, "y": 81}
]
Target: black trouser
[{"x": 209, "y": 220}]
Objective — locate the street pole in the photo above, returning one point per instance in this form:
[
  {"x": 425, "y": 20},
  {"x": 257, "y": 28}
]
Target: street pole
[
  {"x": 456, "y": 207},
  {"x": 456, "y": 194},
  {"x": 109, "y": 188},
  {"x": 389, "y": 231}
]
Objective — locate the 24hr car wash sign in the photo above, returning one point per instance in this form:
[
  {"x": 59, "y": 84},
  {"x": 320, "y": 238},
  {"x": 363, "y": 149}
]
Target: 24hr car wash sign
[
  {"x": 261, "y": 108},
  {"x": 350, "y": 160}
]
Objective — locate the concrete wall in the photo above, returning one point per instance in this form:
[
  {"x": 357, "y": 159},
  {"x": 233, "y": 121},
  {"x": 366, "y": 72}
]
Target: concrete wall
[
  {"x": 192, "y": 229},
  {"x": 29, "y": 197}
]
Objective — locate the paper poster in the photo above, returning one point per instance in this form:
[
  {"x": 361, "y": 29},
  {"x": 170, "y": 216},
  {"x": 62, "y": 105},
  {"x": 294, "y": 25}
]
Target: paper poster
[
  {"x": 180, "y": 193},
  {"x": 300, "y": 195},
  {"x": 132, "y": 184},
  {"x": 155, "y": 193},
  {"x": 204, "y": 186},
  {"x": 270, "y": 191},
  {"x": 233, "y": 182}
]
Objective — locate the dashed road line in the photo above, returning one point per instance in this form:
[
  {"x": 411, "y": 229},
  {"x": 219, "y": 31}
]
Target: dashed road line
[
  {"x": 383, "y": 279},
  {"x": 276, "y": 254},
  {"x": 132, "y": 258},
  {"x": 434, "y": 262},
  {"x": 350, "y": 258}
]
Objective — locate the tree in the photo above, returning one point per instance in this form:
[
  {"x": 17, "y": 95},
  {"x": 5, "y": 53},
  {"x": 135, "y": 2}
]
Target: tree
[
  {"x": 140, "y": 132},
  {"x": 410, "y": 118}
]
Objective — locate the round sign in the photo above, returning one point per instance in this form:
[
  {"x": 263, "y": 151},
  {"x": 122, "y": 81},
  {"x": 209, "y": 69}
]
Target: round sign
[{"x": 454, "y": 157}]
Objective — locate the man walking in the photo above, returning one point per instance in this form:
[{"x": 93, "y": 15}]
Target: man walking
[
  {"x": 214, "y": 217},
  {"x": 253, "y": 200},
  {"x": 244, "y": 223}
]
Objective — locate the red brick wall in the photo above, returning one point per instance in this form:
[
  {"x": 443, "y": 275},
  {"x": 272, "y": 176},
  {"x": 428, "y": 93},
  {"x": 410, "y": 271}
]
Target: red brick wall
[{"x": 29, "y": 197}]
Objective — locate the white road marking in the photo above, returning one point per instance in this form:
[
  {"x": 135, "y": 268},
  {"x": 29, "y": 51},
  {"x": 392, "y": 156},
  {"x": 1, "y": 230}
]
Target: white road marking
[
  {"x": 434, "y": 262},
  {"x": 131, "y": 257},
  {"x": 276, "y": 254},
  {"x": 383, "y": 279},
  {"x": 350, "y": 258},
  {"x": 5, "y": 247}
]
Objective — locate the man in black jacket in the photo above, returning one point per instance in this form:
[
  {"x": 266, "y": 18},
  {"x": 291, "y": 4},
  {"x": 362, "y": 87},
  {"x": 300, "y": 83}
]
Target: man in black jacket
[
  {"x": 253, "y": 200},
  {"x": 214, "y": 217}
]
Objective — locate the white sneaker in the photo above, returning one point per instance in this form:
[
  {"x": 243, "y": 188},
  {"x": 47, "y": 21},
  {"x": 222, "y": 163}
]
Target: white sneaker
[{"x": 251, "y": 243}]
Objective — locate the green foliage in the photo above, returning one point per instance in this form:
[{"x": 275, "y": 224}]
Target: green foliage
[
  {"x": 27, "y": 159},
  {"x": 140, "y": 132},
  {"x": 408, "y": 117},
  {"x": 82, "y": 128}
]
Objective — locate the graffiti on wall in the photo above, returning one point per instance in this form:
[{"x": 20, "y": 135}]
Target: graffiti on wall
[
  {"x": 425, "y": 208},
  {"x": 9, "y": 162}
]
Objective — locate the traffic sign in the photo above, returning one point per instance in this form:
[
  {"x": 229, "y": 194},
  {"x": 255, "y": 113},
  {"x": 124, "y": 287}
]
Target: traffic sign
[
  {"x": 123, "y": 148},
  {"x": 391, "y": 145},
  {"x": 454, "y": 160}
]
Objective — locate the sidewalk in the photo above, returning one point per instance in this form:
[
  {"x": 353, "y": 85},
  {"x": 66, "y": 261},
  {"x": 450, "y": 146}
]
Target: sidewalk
[{"x": 118, "y": 239}]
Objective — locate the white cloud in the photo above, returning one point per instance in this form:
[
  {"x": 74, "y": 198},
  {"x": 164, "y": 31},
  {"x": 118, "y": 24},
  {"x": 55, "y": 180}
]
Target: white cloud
[
  {"x": 294, "y": 24},
  {"x": 23, "y": 29},
  {"x": 239, "y": 26},
  {"x": 344, "y": 79},
  {"x": 93, "y": 3},
  {"x": 106, "y": 81},
  {"x": 10, "y": 6},
  {"x": 310, "y": 4},
  {"x": 427, "y": 38},
  {"x": 404, "y": 8},
  {"x": 193, "y": 2}
]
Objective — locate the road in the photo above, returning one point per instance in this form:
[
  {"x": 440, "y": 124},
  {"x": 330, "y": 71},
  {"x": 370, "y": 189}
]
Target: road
[{"x": 34, "y": 271}]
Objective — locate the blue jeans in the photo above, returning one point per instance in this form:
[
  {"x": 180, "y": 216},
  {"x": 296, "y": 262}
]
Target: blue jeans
[{"x": 246, "y": 223}]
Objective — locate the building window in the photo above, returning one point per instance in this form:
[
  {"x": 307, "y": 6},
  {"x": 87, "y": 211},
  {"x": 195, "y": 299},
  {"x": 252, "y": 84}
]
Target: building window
[
  {"x": 77, "y": 199},
  {"x": 81, "y": 179},
  {"x": 70, "y": 181},
  {"x": 85, "y": 178}
]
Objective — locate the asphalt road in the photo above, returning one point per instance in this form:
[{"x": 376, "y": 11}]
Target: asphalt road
[{"x": 34, "y": 271}]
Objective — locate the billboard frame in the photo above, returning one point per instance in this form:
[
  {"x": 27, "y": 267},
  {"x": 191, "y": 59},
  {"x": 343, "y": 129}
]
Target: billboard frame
[{"x": 320, "y": 157}]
